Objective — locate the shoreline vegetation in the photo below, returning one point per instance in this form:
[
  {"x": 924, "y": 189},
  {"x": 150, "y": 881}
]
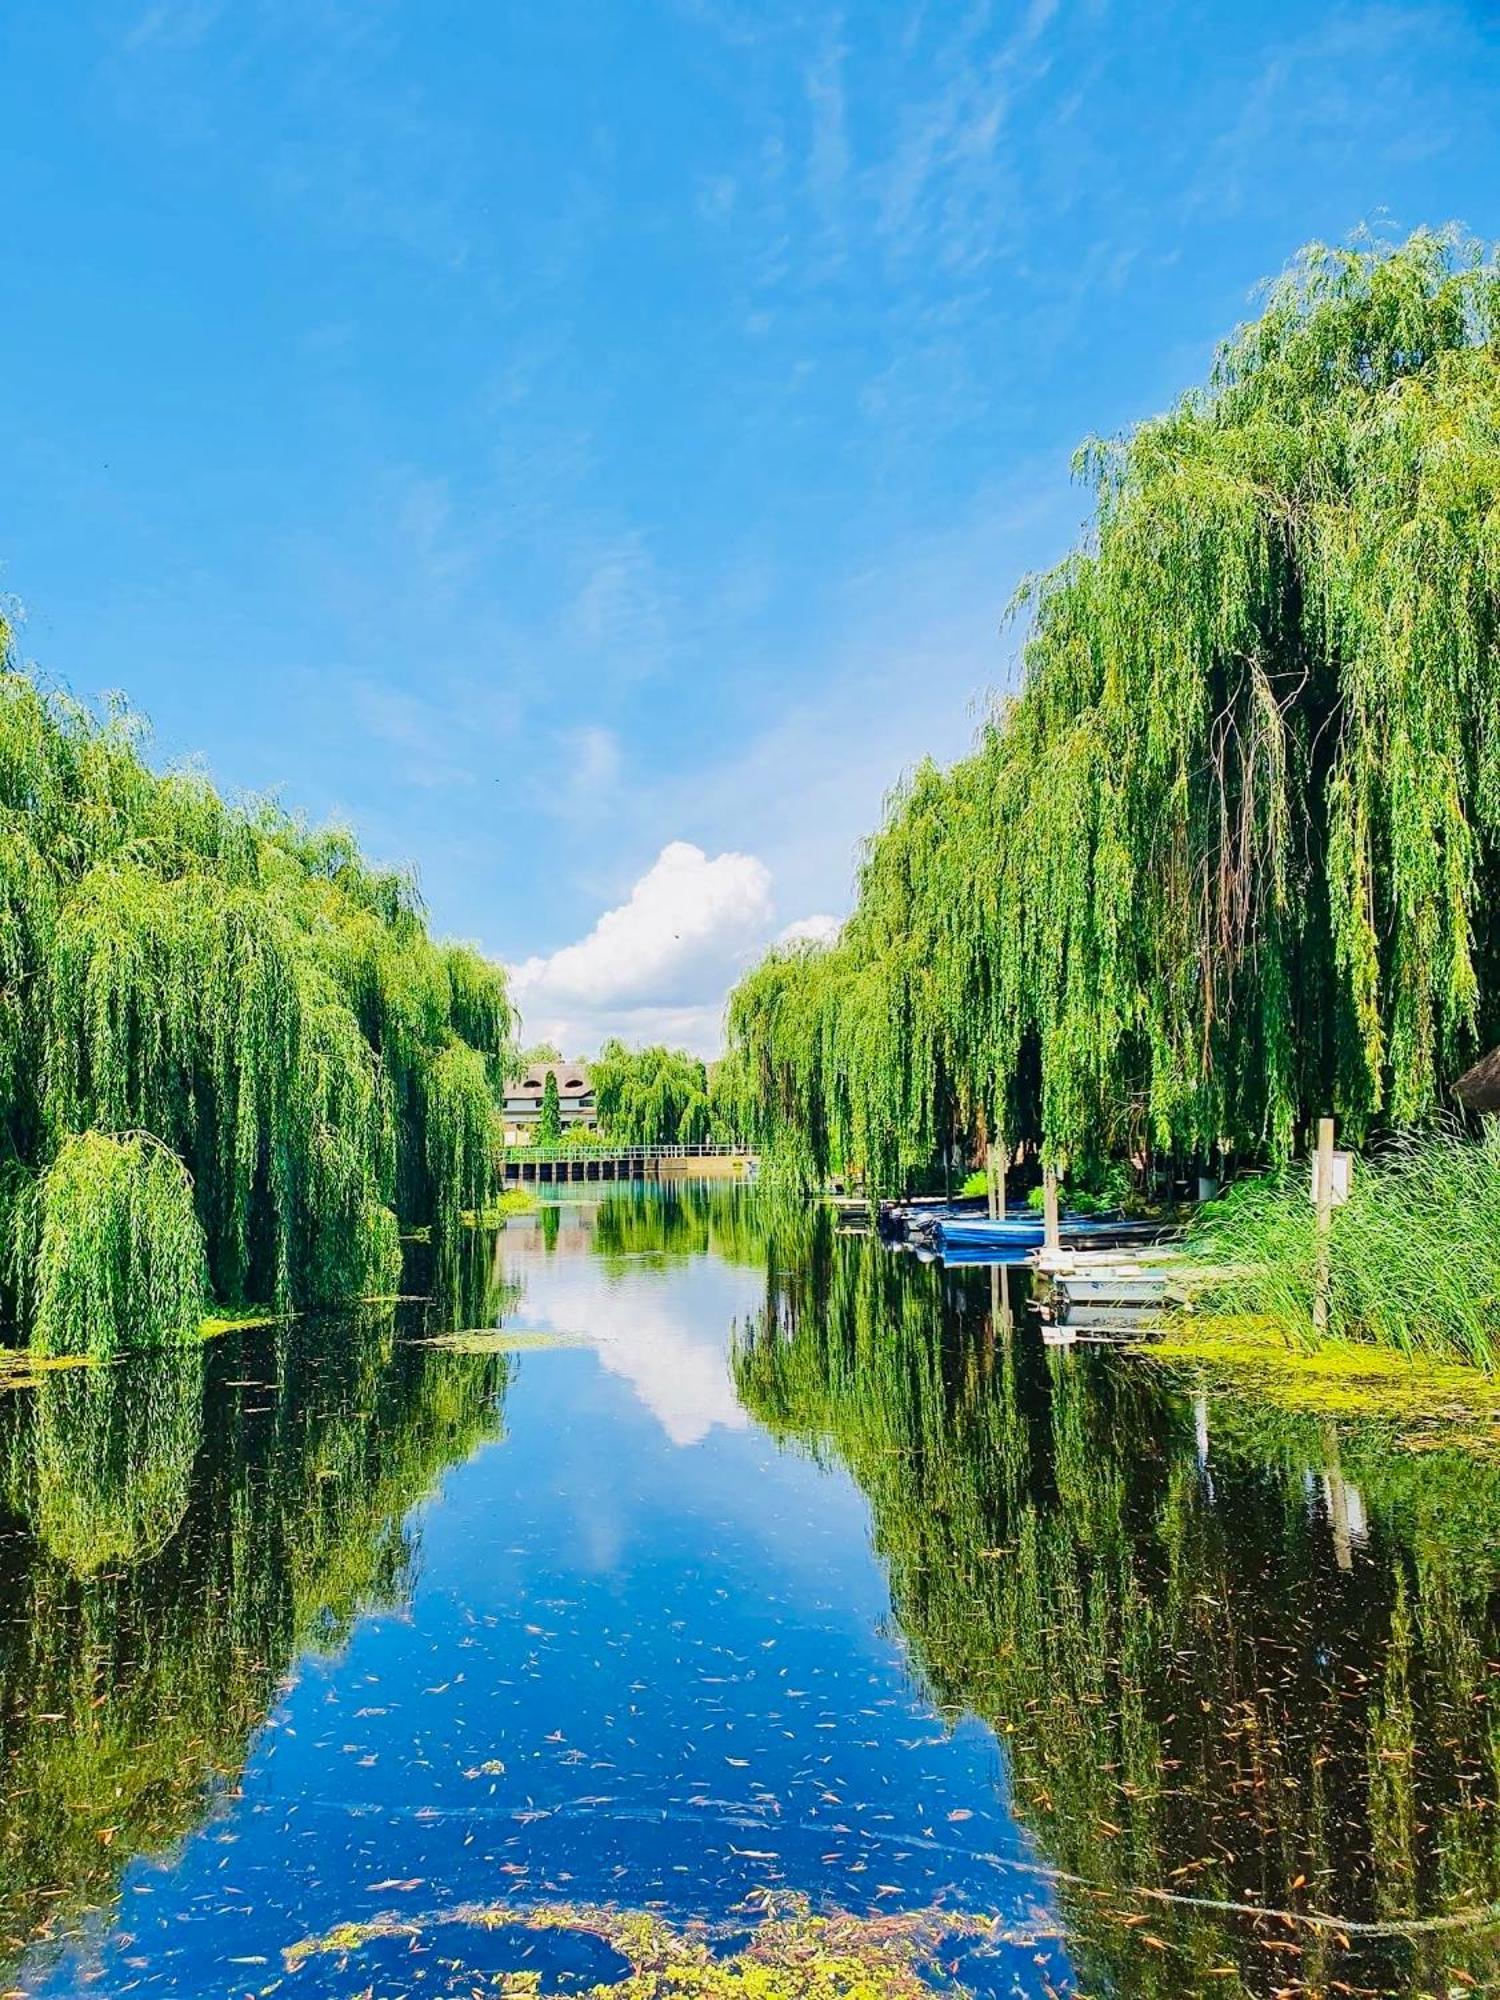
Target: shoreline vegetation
[
  {"x": 1413, "y": 1255},
  {"x": 234, "y": 1065},
  {"x": 1228, "y": 861}
]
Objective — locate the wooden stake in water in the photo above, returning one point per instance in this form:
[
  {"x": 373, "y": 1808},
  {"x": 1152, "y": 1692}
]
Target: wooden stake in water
[
  {"x": 1052, "y": 1234},
  {"x": 1323, "y": 1196}
]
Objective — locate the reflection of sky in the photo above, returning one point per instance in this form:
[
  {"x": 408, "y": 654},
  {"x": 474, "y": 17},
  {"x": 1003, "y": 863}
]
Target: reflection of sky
[
  {"x": 647, "y": 1659},
  {"x": 662, "y": 1331}
]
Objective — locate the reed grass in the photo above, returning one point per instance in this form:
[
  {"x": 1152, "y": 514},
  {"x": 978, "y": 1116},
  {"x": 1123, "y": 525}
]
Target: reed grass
[{"x": 1414, "y": 1254}]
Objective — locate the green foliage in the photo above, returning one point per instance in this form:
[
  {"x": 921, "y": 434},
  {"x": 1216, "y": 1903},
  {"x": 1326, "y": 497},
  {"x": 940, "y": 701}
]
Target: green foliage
[
  {"x": 1230, "y": 858},
  {"x": 652, "y": 1096},
  {"x": 120, "y": 1257},
  {"x": 549, "y": 1118},
  {"x": 249, "y": 993},
  {"x": 788, "y": 1953},
  {"x": 537, "y": 1054},
  {"x": 1413, "y": 1255}
]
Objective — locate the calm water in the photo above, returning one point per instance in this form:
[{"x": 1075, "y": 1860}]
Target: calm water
[{"x": 742, "y": 1560}]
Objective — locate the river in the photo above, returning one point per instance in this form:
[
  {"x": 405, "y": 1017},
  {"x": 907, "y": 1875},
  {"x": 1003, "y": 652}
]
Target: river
[{"x": 682, "y": 1584}]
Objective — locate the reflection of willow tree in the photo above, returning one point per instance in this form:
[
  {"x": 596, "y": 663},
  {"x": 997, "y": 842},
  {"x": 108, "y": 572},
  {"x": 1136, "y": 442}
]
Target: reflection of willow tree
[
  {"x": 1195, "y": 1693},
  {"x": 464, "y": 1278},
  {"x": 181, "y": 1553},
  {"x": 667, "y": 1222},
  {"x": 109, "y": 1456}
]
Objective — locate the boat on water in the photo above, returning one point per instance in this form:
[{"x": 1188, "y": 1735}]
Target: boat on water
[
  {"x": 981, "y": 1238},
  {"x": 1021, "y": 1231}
]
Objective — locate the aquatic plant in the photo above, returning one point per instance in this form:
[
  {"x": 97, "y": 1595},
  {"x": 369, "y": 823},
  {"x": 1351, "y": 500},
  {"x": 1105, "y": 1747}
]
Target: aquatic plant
[
  {"x": 1413, "y": 1255},
  {"x": 792, "y": 1952},
  {"x": 246, "y": 993},
  {"x": 1230, "y": 858}
]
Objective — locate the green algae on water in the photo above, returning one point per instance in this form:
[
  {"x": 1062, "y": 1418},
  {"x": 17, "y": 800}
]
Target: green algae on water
[{"x": 792, "y": 1952}]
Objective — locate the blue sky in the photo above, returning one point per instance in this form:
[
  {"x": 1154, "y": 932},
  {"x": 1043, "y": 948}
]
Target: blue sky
[{"x": 590, "y": 447}]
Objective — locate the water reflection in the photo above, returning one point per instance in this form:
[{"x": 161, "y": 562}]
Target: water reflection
[
  {"x": 177, "y": 1530},
  {"x": 631, "y": 1277},
  {"x": 1240, "y": 1660},
  {"x": 886, "y": 1605}
]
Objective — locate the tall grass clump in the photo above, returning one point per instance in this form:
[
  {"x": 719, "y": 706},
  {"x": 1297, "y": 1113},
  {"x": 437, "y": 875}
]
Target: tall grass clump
[
  {"x": 302, "y": 1069},
  {"x": 1413, "y": 1255}
]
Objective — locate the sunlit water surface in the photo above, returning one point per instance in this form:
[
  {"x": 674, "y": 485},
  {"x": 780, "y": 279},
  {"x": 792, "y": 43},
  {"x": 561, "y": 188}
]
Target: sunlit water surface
[{"x": 731, "y": 1561}]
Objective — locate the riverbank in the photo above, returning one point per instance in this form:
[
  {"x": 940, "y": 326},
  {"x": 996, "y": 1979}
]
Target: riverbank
[{"x": 1410, "y": 1263}]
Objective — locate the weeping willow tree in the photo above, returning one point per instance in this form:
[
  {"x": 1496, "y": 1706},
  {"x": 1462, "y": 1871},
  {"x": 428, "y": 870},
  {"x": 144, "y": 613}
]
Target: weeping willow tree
[
  {"x": 231, "y": 1055},
  {"x": 651, "y": 1096},
  {"x": 1228, "y": 860},
  {"x": 119, "y": 1256}
]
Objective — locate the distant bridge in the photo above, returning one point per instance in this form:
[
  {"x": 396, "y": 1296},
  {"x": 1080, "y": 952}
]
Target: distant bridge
[{"x": 627, "y": 1163}]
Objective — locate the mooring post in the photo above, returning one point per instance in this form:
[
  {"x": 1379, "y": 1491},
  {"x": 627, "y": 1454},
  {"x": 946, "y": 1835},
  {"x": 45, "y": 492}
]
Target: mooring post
[
  {"x": 1052, "y": 1234},
  {"x": 1323, "y": 1197},
  {"x": 995, "y": 1162}
]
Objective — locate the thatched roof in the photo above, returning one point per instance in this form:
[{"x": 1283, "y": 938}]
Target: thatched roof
[
  {"x": 1478, "y": 1089},
  {"x": 573, "y": 1080}
]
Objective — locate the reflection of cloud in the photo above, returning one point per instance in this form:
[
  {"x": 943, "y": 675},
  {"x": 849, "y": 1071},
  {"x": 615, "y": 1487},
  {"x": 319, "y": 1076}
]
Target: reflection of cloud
[{"x": 663, "y": 1332}]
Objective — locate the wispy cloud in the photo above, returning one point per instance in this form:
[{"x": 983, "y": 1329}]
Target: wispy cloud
[
  {"x": 173, "y": 24},
  {"x": 421, "y": 731},
  {"x": 830, "y": 153},
  {"x": 622, "y": 614},
  {"x": 938, "y": 191},
  {"x": 1334, "y": 93}
]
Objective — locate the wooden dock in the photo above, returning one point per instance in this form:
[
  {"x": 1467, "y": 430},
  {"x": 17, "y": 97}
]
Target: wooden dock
[{"x": 1108, "y": 1295}]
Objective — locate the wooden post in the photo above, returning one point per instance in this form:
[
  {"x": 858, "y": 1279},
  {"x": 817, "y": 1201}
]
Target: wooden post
[
  {"x": 1051, "y": 1232},
  {"x": 995, "y": 1163},
  {"x": 1323, "y": 1191}
]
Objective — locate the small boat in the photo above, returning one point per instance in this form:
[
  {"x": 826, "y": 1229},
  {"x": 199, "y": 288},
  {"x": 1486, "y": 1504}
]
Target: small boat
[
  {"x": 991, "y": 1241},
  {"x": 978, "y": 1253},
  {"x": 1010, "y": 1232}
]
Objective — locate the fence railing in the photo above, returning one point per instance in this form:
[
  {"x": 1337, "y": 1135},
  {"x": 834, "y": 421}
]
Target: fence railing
[{"x": 602, "y": 1149}]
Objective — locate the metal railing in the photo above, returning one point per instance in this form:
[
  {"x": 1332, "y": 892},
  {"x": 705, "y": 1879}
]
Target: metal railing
[{"x": 603, "y": 1150}]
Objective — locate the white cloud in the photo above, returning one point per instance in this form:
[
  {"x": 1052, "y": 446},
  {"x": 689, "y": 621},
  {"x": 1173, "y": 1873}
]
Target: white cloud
[
  {"x": 821, "y": 929},
  {"x": 657, "y": 966}
]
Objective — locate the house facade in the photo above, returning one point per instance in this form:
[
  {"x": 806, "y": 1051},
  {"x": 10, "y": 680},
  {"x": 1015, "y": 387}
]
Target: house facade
[{"x": 523, "y": 1100}]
